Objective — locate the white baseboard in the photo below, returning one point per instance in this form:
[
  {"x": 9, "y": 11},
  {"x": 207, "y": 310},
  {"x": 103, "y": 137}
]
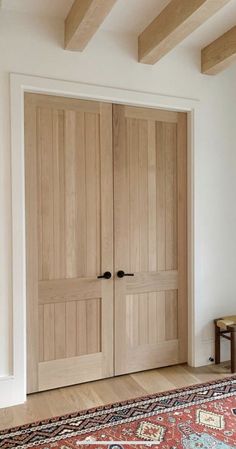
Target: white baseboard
[
  {"x": 206, "y": 349},
  {"x": 10, "y": 393}
]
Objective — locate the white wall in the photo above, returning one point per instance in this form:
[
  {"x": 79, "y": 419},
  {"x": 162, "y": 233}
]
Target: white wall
[{"x": 33, "y": 46}]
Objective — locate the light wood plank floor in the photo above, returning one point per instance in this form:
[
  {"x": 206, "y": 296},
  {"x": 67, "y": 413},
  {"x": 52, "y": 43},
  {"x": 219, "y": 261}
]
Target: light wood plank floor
[{"x": 78, "y": 397}]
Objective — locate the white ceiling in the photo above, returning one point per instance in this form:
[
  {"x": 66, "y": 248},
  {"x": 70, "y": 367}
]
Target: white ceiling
[
  {"x": 141, "y": 11},
  {"x": 51, "y": 8},
  {"x": 131, "y": 16}
]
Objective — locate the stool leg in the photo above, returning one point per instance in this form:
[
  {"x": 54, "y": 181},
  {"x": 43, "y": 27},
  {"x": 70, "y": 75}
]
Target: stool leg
[
  {"x": 217, "y": 344},
  {"x": 233, "y": 351}
]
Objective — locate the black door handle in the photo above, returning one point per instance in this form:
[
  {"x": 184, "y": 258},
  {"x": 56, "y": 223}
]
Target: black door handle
[
  {"x": 106, "y": 275},
  {"x": 121, "y": 274}
]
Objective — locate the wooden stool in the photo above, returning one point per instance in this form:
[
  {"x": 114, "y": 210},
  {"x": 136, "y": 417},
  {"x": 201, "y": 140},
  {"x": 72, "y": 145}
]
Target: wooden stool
[{"x": 226, "y": 327}]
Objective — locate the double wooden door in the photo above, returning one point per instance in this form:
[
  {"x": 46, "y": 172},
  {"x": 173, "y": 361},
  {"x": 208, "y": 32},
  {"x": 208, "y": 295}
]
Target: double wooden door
[{"x": 105, "y": 193}]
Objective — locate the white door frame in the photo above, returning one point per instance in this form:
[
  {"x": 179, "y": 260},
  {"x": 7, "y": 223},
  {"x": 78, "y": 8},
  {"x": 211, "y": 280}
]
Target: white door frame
[{"x": 13, "y": 388}]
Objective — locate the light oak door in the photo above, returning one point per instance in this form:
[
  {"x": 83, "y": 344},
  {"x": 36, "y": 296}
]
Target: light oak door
[
  {"x": 150, "y": 219},
  {"x": 69, "y": 240}
]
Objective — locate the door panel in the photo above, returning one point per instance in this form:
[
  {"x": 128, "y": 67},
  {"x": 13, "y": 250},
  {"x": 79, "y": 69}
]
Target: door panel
[
  {"x": 150, "y": 237},
  {"x": 63, "y": 330},
  {"x": 69, "y": 233}
]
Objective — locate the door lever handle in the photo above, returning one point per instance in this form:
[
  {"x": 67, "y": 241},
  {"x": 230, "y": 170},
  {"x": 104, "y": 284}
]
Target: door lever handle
[
  {"x": 121, "y": 274},
  {"x": 106, "y": 275}
]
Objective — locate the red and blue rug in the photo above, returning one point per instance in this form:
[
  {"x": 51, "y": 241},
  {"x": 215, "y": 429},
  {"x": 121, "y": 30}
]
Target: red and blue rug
[{"x": 198, "y": 417}]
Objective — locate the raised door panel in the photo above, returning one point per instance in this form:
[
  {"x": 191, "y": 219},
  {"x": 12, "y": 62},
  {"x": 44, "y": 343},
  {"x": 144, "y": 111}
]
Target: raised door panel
[
  {"x": 69, "y": 234},
  {"x": 150, "y": 237}
]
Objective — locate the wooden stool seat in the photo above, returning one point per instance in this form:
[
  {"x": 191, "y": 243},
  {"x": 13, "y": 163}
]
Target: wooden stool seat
[
  {"x": 223, "y": 323},
  {"x": 226, "y": 327}
]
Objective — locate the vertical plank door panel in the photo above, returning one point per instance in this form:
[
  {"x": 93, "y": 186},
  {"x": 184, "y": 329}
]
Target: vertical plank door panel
[
  {"x": 69, "y": 236},
  {"x": 150, "y": 238}
]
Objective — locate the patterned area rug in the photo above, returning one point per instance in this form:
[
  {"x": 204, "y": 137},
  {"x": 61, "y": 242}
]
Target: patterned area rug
[{"x": 198, "y": 417}]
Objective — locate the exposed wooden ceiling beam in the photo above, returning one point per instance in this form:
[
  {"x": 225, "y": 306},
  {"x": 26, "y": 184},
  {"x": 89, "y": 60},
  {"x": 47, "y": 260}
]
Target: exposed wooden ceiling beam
[
  {"x": 179, "y": 19},
  {"x": 83, "y": 21},
  {"x": 219, "y": 54}
]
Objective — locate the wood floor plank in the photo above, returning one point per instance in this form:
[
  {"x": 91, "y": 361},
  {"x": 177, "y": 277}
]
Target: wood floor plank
[
  {"x": 152, "y": 381},
  {"x": 102, "y": 392}
]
